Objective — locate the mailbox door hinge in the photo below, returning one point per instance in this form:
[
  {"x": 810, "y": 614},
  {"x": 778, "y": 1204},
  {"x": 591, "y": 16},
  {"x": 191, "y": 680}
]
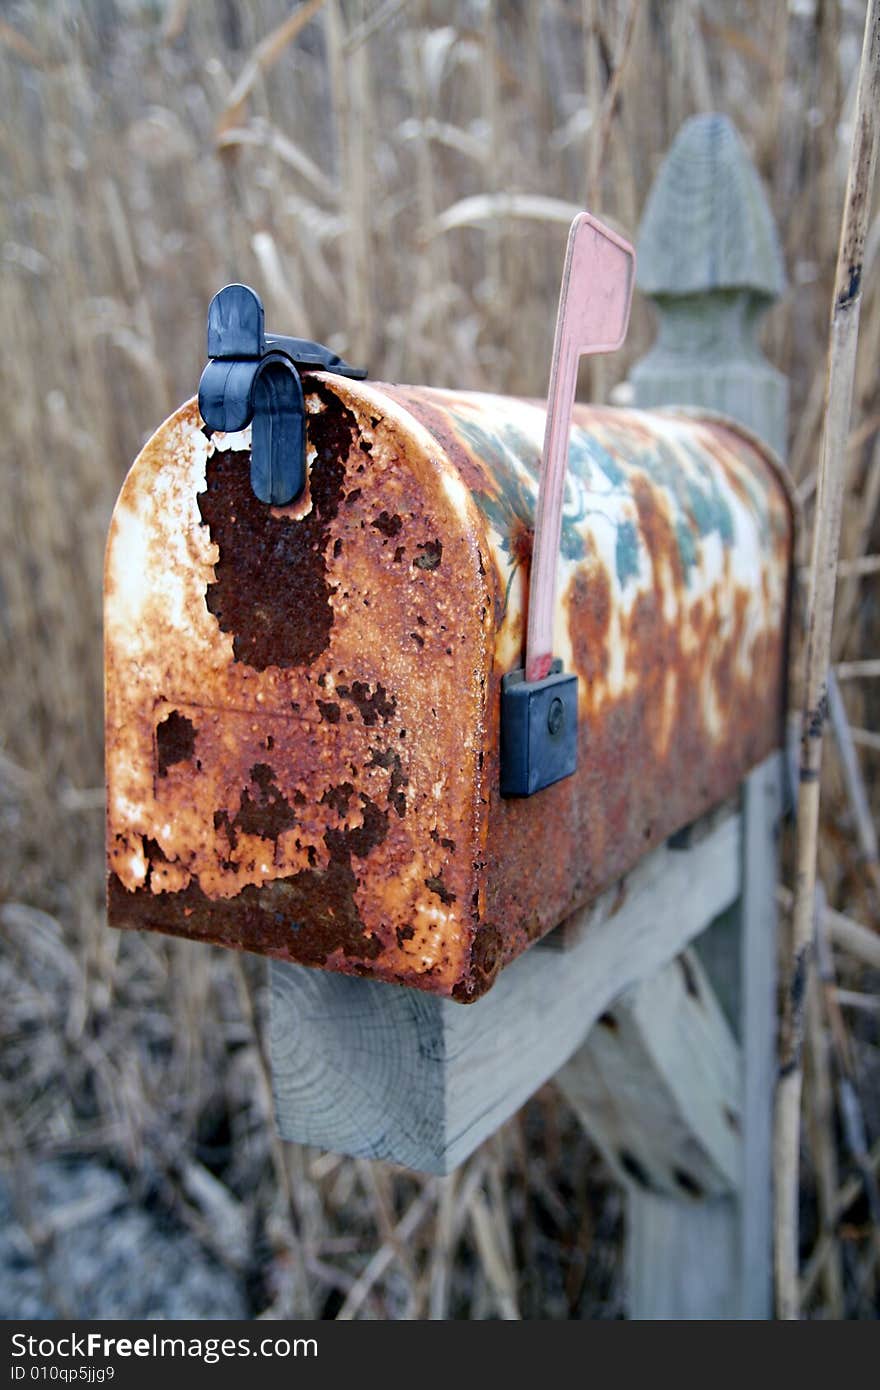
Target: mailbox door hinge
[{"x": 253, "y": 379}]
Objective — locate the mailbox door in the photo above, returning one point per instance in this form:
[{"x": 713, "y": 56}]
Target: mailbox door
[{"x": 296, "y": 698}]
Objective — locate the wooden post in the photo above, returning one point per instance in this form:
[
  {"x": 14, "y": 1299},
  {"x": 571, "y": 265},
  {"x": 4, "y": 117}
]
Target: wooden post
[{"x": 709, "y": 258}]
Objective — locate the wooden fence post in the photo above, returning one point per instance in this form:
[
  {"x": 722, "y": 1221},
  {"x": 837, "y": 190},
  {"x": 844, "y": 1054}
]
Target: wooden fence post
[{"x": 709, "y": 258}]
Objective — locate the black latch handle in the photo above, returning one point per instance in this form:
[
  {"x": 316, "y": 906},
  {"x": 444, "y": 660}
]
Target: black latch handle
[
  {"x": 253, "y": 379},
  {"x": 278, "y": 432}
]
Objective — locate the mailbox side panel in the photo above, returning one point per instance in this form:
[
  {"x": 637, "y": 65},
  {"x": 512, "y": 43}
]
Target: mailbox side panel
[
  {"x": 673, "y": 611},
  {"x": 295, "y": 704}
]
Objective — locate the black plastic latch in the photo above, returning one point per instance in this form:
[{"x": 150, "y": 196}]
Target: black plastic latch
[
  {"x": 253, "y": 379},
  {"x": 538, "y": 730}
]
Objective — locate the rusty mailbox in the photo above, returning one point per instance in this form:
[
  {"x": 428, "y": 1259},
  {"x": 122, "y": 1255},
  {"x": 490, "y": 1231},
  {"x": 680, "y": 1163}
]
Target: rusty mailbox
[{"x": 310, "y": 619}]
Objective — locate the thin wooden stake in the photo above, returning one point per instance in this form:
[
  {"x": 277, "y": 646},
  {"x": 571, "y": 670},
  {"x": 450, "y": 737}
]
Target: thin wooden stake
[{"x": 823, "y": 574}]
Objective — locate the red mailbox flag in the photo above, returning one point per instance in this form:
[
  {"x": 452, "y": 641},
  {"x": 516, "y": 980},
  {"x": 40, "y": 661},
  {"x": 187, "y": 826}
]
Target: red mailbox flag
[{"x": 594, "y": 304}]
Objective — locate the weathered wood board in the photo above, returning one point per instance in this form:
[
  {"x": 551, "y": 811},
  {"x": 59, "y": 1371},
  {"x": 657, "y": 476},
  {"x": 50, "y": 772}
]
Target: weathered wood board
[{"x": 657, "y": 1086}]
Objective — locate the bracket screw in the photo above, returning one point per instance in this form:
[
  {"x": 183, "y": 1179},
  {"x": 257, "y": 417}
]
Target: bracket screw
[{"x": 555, "y": 716}]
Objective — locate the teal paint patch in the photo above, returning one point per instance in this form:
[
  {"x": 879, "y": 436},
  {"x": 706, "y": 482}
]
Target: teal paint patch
[
  {"x": 571, "y": 543},
  {"x": 723, "y": 516},
  {"x": 687, "y": 548},
  {"x": 585, "y": 452},
  {"x": 503, "y": 449},
  {"x": 579, "y": 461},
  {"x": 505, "y": 512},
  {"x": 609, "y": 465},
  {"x": 510, "y": 512},
  {"x": 626, "y": 553},
  {"x": 699, "y": 508},
  {"x": 514, "y": 463}
]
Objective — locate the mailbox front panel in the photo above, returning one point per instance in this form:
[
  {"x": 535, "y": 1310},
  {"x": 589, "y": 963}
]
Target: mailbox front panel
[
  {"x": 295, "y": 710},
  {"x": 302, "y": 703}
]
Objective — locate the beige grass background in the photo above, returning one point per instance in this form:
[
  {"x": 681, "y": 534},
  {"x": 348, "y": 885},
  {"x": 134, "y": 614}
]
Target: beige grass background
[{"x": 355, "y": 160}]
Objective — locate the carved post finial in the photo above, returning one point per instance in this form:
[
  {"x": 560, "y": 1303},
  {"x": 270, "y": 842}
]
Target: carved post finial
[{"x": 709, "y": 258}]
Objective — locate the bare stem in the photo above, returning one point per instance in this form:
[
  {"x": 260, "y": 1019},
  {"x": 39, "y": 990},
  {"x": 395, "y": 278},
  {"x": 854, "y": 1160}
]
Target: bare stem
[{"x": 820, "y": 612}]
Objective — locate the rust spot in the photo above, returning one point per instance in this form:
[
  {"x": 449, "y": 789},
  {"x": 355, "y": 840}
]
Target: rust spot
[
  {"x": 487, "y": 957},
  {"x": 432, "y": 554},
  {"x": 522, "y": 541},
  {"x": 437, "y": 886},
  {"x": 270, "y": 588},
  {"x": 175, "y": 741},
  {"x": 266, "y": 813},
  {"x": 590, "y": 607},
  {"x": 154, "y": 855},
  {"x": 441, "y": 840},
  {"x": 392, "y": 762},
  {"x": 329, "y": 710},
  {"x": 388, "y": 526},
  {"x": 487, "y": 950},
  {"x": 266, "y": 919},
  {"x": 338, "y": 797},
  {"x": 358, "y": 840},
  {"x": 372, "y": 707}
]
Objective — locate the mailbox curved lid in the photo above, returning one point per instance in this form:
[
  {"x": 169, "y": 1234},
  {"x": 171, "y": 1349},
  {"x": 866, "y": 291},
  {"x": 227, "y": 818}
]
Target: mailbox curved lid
[{"x": 302, "y": 702}]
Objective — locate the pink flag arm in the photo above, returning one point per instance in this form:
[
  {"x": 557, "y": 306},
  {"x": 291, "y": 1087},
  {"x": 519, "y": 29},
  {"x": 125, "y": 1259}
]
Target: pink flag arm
[{"x": 594, "y": 303}]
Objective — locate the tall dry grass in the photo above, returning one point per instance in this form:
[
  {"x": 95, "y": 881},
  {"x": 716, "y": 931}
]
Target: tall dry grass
[{"x": 395, "y": 178}]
